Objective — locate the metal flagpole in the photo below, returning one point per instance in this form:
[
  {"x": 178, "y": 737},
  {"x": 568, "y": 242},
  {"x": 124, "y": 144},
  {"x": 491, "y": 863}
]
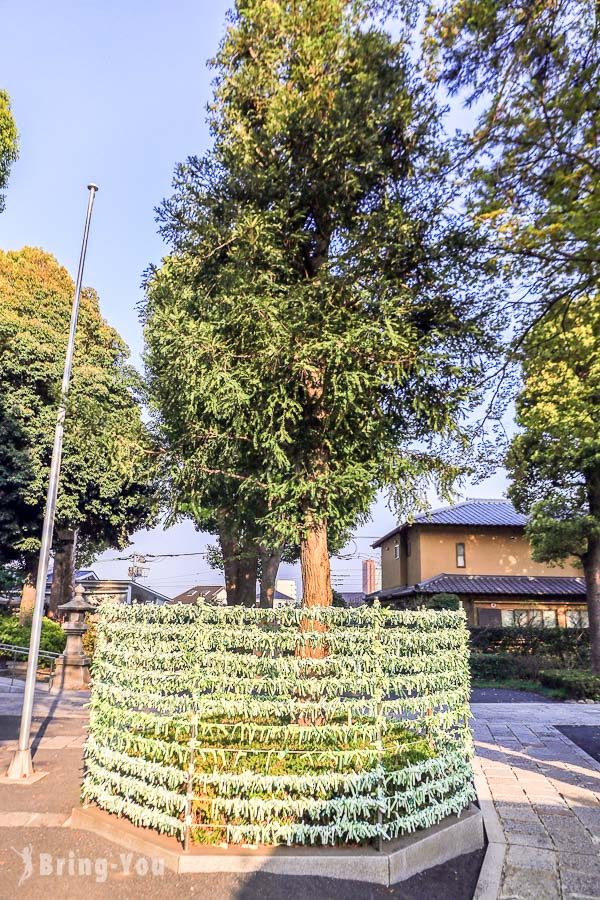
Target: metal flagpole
[{"x": 21, "y": 765}]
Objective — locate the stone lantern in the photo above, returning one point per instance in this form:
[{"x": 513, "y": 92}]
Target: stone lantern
[{"x": 72, "y": 671}]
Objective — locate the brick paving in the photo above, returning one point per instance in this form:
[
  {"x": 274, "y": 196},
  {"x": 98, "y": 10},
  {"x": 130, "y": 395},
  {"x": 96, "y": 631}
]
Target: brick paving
[{"x": 546, "y": 794}]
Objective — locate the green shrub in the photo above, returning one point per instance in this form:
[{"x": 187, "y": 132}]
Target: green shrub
[
  {"x": 419, "y": 601},
  {"x": 577, "y": 684},
  {"x": 52, "y": 638},
  {"x": 89, "y": 638},
  {"x": 567, "y": 646},
  {"x": 507, "y": 666},
  {"x": 444, "y": 601}
]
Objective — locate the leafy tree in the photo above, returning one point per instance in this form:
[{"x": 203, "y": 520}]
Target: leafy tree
[
  {"x": 9, "y": 144},
  {"x": 532, "y": 70},
  {"x": 338, "y": 599},
  {"x": 106, "y": 489},
  {"x": 555, "y": 461},
  {"x": 321, "y": 298}
]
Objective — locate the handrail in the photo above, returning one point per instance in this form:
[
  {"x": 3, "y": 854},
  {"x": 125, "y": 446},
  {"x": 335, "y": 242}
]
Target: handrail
[{"x": 17, "y": 650}]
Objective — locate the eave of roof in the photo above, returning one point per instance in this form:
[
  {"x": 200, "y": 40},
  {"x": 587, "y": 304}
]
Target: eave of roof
[{"x": 506, "y": 585}]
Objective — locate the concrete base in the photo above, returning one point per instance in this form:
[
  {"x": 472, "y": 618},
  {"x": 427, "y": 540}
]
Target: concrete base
[
  {"x": 399, "y": 859},
  {"x": 71, "y": 674},
  {"x": 29, "y": 779}
]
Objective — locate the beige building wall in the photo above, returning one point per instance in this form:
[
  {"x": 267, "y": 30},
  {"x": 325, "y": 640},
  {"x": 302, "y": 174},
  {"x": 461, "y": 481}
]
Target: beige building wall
[
  {"x": 393, "y": 571},
  {"x": 493, "y": 551},
  {"x": 501, "y": 551}
]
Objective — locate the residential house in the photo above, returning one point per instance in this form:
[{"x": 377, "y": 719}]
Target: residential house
[
  {"x": 281, "y": 599},
  {"x": 214, "y": 594},
  {"x": 97, "y": 589},
  {"x": 478, "y": 550},
  {"x": 121, "y": 589}
]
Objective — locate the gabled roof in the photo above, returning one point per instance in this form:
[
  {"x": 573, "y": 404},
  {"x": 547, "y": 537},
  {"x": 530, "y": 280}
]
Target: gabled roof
[
  {"x": 208, "y": 591},
  {"x": 517, "y": 585},
  {"x": 491, "y": 513},
  {"x": 80, "y": 575}
]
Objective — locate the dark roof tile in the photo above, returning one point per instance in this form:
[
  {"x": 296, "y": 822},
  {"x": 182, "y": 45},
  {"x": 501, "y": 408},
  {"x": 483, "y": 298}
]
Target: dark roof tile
[
  {"x": 517, "y": 585},
  {"x": 474, "y": 512}
]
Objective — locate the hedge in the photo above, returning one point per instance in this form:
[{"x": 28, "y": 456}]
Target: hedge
[
  {"x": 504, "y": 666},
  {"x": 569, "y": 646},
  {"x": 577, "y": 685},
  {"x": 294, "y": 726},
  {"x": 52, "y": 639}
]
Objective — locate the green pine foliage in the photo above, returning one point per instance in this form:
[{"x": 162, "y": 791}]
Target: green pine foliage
[
  {"x": 279, "y": 726},
  {"x": 325, "y": 302}
]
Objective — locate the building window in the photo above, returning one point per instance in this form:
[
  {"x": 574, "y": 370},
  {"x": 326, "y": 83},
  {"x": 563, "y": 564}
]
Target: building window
[
  {"x": 549, "y": 616},
  {"x": 460, "y": 556},
  {"x": 577, "y": 618},
  {"x": 397, "y": 550},
  {"x": 522, "y": 618}
]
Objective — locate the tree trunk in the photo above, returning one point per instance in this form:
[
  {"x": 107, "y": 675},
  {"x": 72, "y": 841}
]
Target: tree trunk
[
  {"x": 230, "y": 564},
  {"x": 240, "y": 564},
  {"x": 63, "y": 575},
  {"x": 591, "y": 569},
  {"x": 314, "y": 564},
  {"x": 248, "y": 575},
  {"x": 28, "y": 591},
  {"x": 269, "y": 566}
]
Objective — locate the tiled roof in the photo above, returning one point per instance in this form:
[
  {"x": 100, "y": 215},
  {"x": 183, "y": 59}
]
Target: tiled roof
[
  {"x": 208, "y": 591},
  {"x": 476, "y": 512},
  {"x": 518, "y": 585},
  {"x": 80, "y": 575}
]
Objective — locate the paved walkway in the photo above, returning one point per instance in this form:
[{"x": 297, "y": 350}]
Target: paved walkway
[
  {"x": 541, "y": 794},
  {"x": 41, "y": 855}
]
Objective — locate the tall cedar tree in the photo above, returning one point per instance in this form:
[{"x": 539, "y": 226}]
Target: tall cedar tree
[
  {"x": 107, "y": 486},
  {"x": 8, "y": 142},
  {"x": 555, "y": 461},
  {"x": 532, "y": 70},
  {"x": 321, "y": 305}
]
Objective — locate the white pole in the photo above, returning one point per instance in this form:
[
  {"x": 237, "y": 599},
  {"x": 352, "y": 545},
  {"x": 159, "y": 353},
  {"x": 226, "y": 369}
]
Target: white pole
[{"x": 21, "y": 765}]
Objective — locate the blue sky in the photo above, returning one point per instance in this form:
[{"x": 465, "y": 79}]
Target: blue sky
[{"x": 116, "y": 93}]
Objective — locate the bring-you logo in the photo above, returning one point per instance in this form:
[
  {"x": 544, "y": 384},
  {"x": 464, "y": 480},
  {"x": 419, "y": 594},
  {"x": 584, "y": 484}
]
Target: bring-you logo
[{"x": 97, "y": 868}]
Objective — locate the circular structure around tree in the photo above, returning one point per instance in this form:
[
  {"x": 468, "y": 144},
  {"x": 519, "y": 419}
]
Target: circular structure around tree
[{"x": 288, "y": 726}]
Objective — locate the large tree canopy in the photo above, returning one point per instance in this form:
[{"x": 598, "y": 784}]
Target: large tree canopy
[
  {"x": 531, "y": 69},
  {"x": 319, "y": 318},
  {"x": 555, "y": 461},
  {"x": 106, "y": 488},
  {"x": 8, "y": 142}
]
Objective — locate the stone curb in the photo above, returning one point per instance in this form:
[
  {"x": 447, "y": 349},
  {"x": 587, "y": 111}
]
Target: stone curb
[
  {"x": 489, "y": 882},
  {"x": 399, "y": 860}
]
